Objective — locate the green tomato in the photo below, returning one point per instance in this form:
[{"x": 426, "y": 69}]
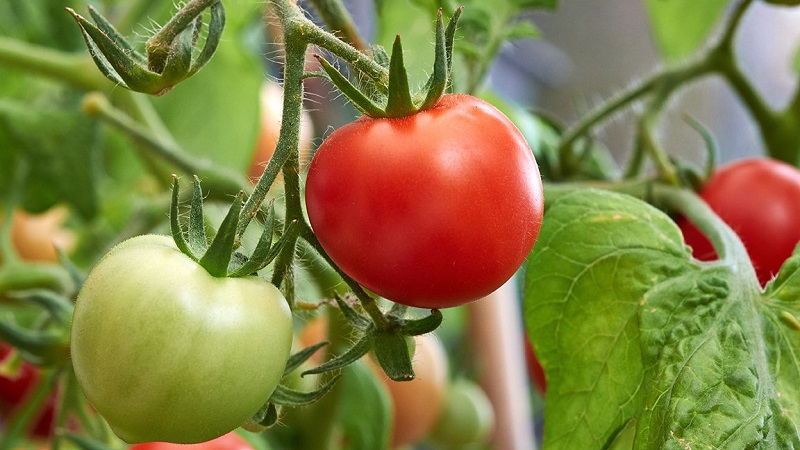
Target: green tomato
[
  {"x": 467, "y": 416},
  {"x": 166, "y": 352}
]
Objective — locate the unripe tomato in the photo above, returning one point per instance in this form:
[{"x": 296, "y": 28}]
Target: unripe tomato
[
  {"x": 417, "y": 404},
  {"x": 759, "y": 199},
  {"x": 431, "y": 210},
  {"x": 229, "y": 441},
  {"x": 271, "y": 101},
  {"x": 166, "y": 352},
  {"x": 467, "y": 416}
]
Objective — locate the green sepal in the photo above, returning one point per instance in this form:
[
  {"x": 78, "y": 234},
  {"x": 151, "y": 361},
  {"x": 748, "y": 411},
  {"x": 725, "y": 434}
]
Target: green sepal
[
  {"x": 215, "y": 26},
  {"x": 399, "y": 102},
  {"x": 263, "y": 253},
  {"x": 359, "y": 100},
  {"x": 424, "y": 325},
  {"x": 75, "y": 274},
  {"x": 379, "y": 55},
  {"x": 391, "y": 351},
  {"x": 397, "y": 311},
  {"x": 437, "y": 83},
  {"x": 302, "y": 356},
  {"x": 449, "y": 42},
  {"x": 153, "y": 74},
  {"x": 352, "y": 355},
  {"x": 110, "y": 58},
  {"x": 179, "y": 60},
  {"x": 359, "y": 321},
  {"x": 198, "y": 239},
  {"x": 285, "y": 396},
  {"x": 266, "y": 417},
  {"x": 174, "y": 222},
  {"x": 218, "y": 256},
  {"x": 108, "y": 29}
]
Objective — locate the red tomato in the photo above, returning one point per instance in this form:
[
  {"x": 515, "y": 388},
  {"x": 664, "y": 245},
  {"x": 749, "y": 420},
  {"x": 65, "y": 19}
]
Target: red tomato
[
  {"x": 760, "y": 200},
  {"x": 432, "y": 210},
  {"x": 230, "y": 441},
  {"x": 16, "y": 387}
]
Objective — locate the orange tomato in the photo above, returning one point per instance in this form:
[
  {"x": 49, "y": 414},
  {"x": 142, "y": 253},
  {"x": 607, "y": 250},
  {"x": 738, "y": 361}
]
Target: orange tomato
[{"x": 36, "y": 236}]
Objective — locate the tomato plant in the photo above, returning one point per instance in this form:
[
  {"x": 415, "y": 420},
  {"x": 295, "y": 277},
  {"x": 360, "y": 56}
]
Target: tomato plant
[
  {"x": 228, "y": 441},
  {"x": 166, "y": 352},
  {"x": 758, "y": 198},
  {"x": 16, "y": 385},
  {"x": 431, "y": 210}
]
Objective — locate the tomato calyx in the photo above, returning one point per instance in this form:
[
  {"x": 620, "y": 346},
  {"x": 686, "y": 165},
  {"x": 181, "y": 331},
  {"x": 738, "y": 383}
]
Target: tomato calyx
[
  {"x": 390, "y": 344},
  {"x": 169, "y": 59},
  {"x": 219, "y": 257},
  {"x": 395, "y": 99}
]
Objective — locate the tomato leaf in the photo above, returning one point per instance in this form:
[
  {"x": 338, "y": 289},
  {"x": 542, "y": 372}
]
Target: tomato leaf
[
  {"x": 365, "y": 411},
  {"x": 628, "y": 326},
  {"x": 680, "y": 27}
]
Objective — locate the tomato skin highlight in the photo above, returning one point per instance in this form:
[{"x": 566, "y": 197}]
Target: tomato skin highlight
[
  {"x": 166, "y": 352},
  {"x": 432, "y": 210},
  {"x": 759, "y": 199}
]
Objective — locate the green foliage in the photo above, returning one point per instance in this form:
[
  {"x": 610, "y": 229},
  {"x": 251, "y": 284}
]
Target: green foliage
[
  {"x": 60, "y": 150},
  {"x": 680, "y": 27},
  {"x": 629, "y": 327},
  {"x": 364, "y": 396}
]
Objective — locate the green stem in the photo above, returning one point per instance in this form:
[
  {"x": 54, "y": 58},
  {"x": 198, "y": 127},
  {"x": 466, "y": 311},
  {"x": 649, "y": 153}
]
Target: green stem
[
  {"x": 337, "y": 18},
  {"x": 76, "y": 69},
  {"x": 158, "y": 46},
  {"x": 726, "y": 243},
  {"x": 216, "y": 179},
  {"x": 367, "y": 302},
  {"x": 718, "y": 59}
]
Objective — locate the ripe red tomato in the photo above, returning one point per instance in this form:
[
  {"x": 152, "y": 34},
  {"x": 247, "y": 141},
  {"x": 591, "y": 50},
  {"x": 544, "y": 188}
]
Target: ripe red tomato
[
  {"x": 432, "y": 210},
  {"x": 230, "y": 441},
  {"x": 16, "y": 387},
  {"x": 760, "y": 200}
]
